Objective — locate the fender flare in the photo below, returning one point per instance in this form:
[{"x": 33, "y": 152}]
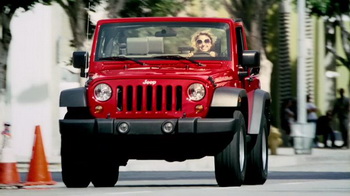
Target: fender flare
[
  {"x": 228, "y": 97},
  {"x": 259, "y": 101},
  {"x": 75, "y": 97}
]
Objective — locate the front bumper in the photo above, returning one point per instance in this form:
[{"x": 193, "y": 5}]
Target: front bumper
[
  {"x": 192, "y": 138},
  {"x": 194, "y": 126}
]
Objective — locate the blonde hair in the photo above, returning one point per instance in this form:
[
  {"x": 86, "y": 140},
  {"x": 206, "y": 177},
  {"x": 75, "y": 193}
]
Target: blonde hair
[{"x": 195, "y": 36}]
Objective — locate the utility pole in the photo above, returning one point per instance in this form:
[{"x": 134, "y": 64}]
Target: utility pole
[
  {"x": 302, "y": 131},
  {"x": 301, "y": 69}
]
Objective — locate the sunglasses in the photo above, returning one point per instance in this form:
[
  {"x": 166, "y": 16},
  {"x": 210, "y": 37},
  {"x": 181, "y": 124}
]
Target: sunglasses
[{"x": 207, "y": 41}]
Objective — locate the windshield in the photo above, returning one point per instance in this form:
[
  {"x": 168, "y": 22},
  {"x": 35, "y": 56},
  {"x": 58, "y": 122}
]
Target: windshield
[{"x": 199, "y": 40}]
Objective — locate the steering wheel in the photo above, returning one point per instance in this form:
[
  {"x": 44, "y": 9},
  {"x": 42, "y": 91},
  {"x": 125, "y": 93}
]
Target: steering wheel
[{"x": 202, "y": 54}]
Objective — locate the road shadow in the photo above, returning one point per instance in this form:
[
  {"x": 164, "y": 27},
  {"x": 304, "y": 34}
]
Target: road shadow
[
  {"x": 281, "y": 175},
  {"x": 161, "y": 185},
  {"x": 210, "y": 175},
  {"x": 166, "y": 175},
  {"x": 194, "y": 175}
]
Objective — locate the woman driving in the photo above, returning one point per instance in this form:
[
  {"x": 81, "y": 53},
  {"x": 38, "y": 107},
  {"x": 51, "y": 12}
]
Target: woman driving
[{"x": 203, "y": 41}]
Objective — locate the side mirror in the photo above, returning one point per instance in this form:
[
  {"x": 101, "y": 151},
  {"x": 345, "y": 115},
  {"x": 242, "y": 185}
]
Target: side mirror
[
  {"x": 80, "y": 61},
  {"x": 251, "y": 59}
]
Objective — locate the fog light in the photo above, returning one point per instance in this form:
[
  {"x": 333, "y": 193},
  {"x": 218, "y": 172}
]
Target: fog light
[
  {"x": 123, "y": 127},
  {"x": 98, "y": 109},
  {"x": 199, "y": 108},
  {"x": 168, "y": 127}
]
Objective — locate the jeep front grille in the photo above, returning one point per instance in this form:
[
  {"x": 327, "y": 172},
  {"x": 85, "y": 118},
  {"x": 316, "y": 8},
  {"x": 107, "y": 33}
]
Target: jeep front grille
[{"x": 149, "y": 98}]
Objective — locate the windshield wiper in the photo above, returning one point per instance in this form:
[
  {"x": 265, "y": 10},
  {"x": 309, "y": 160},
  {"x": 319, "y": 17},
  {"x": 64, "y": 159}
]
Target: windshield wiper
[
  {"x": 122, "y": 58},
  {"x": 178, "y": 57}
]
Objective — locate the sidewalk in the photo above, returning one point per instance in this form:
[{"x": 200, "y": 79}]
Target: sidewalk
[{"x": 321, "y": 159}]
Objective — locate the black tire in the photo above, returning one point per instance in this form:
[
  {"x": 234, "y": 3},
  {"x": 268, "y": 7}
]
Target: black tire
[
  {"x": 78, "y": 113},
  {"x": 75, "y": 157},
  {"x": 105, "y": 167},
  {"x": 105, "y": 174},
  {"x": 257, "y": 159},
  {"x": 230, "y": 164},
  {"x": 75, "y": 165}
]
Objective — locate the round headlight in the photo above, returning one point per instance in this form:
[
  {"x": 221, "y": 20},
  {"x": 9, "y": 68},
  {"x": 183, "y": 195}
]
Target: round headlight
[
  {"x": 196, "y": 92},
  {"x": 103, "y": 92}
]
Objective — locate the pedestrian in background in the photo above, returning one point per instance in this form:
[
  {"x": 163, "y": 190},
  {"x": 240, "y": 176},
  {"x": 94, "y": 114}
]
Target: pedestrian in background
[
  {"x": 324, "y": 128},
  {"x": 312, "y": 117},
  {"x": 341, "y": 109},
  {"x": 287, "y": 118}
]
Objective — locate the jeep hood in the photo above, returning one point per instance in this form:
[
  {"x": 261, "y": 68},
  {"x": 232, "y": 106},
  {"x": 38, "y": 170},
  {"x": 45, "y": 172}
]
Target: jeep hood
[{"x": 168, "y": 70}]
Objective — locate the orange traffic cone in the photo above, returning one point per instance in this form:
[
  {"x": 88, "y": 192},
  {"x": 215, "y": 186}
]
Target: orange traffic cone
[
  {"x": 9, "y": 175},
  {"x": 38, "y": 170},
  {"x": 8, "y": 168}
]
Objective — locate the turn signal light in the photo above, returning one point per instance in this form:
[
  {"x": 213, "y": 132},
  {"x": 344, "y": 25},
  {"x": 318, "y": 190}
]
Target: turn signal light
[
  {"x": 98, "y": 109},
  {"x": 199, "y": 108}
]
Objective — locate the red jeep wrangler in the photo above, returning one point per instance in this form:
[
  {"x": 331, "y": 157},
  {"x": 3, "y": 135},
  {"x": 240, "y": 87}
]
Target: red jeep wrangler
[{"x": 170, "y": 89}]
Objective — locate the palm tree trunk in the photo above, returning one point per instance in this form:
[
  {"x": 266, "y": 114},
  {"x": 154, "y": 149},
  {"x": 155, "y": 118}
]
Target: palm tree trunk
[{"x": 5, "y": 39}]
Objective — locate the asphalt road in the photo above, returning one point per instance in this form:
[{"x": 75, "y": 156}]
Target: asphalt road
[{"x": 324, "y": 172}]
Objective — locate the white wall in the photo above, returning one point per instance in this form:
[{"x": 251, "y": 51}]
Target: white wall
[{"x": 39, "y": 48}]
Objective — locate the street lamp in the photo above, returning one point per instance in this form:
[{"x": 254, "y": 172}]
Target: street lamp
[{"x": 302, "y": 131}]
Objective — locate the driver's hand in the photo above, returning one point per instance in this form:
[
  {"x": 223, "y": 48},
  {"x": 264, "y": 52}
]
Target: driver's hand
[
  {"x": 212, "y": 53},
  {"x": 190, "y": 54}
]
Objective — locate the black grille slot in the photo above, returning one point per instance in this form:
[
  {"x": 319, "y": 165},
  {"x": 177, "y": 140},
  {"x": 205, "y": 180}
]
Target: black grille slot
[
  {"x": 159, "y": 95},
  {"x": 178, "y": 98},
  {"x": 129, "y": 98},
  {"x": 139, "y": 98},
  {"x": 119, "y": 98},
  {"x": 169, "y": 95},
  {"x": 149, "y": 98}
]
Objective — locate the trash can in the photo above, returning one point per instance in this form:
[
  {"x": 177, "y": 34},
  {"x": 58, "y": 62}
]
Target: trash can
[{"x": 303, "y": 137}]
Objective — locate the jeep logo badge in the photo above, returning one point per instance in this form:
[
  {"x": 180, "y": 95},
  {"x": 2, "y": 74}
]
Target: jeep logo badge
[{"x": 146, "y": 82}]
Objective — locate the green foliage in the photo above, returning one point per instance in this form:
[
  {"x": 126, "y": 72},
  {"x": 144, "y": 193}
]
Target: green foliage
[
  {"x": 328, "y": 7},
  {"x": 334, "y": 9},
  {"x": 8, "y": 6},
  {"x": 319, "y": 6},
  {"x": 148, "y": 8}
]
